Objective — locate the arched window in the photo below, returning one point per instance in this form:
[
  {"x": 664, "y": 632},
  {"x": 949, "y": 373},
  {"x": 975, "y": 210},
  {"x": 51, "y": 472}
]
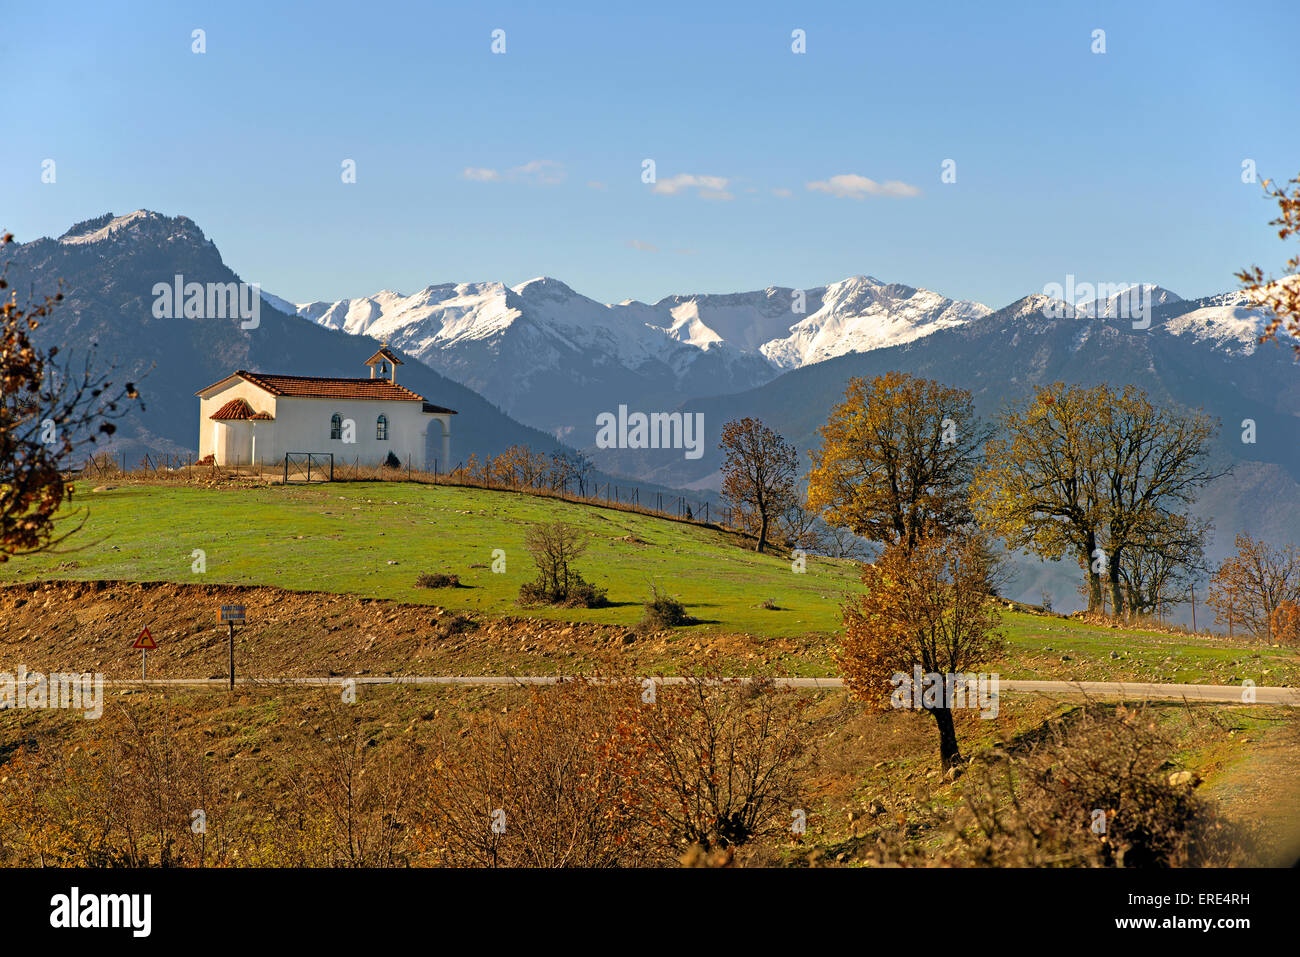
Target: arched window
[
  {"x": 381, "y": 428},
  {"x": 336, "y": 426}
]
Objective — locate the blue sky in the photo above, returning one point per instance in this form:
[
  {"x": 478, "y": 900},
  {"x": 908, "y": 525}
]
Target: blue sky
[{"x": 1116, "y": 167}]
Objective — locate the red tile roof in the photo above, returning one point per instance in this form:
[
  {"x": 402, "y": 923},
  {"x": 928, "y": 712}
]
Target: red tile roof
[
  {"x": 239, "y": 409},
  {"x": 320, "y": 387}
]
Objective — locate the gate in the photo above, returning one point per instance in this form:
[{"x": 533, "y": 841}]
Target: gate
[{"x": 300, "y": 466}]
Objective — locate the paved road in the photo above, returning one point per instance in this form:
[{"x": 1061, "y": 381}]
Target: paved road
[{"x": 1132, "y": 691}]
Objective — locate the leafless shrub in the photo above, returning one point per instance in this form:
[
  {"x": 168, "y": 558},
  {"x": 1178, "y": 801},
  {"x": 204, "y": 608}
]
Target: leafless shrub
[{"x": 556, "y": 547}]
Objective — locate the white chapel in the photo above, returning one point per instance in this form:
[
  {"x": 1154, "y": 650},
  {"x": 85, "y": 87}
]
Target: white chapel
[{"x": 254, "y": 418}]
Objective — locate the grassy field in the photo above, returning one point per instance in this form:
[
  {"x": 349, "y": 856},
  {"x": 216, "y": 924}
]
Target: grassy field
[{"x": 371, "y": 540}]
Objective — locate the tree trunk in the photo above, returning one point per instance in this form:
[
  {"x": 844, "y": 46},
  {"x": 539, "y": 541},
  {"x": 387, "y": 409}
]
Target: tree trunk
[
  {"x": 762, "y": 533},
  {"x": 949, "y": 752},
  {"x": 1116, "y": 592},
  {"x": 1094, "y": 584}
]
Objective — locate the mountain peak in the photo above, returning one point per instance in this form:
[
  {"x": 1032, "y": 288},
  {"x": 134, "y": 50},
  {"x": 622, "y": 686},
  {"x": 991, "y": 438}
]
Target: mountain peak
[
  {"x": 133, "y": 225},
  {"x": 544, "y": 285}
]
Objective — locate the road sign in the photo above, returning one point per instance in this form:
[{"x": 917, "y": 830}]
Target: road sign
[
  {"x": 232, "y": 612},
  {"x": 145, "y": 641}
]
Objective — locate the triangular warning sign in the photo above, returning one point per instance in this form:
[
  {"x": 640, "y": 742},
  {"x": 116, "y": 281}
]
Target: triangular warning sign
[{"x": 145, "y": 640}]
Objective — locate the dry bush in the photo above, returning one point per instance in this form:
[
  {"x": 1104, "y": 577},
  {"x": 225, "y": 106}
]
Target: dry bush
[
  {"x": 564, "y": 783},
  {"x": 727, "y": 760},
  {"x": 1043, "y": 807},
  {"x": 349, "y": 789},
  {"x": 591, "y": 774},
  {"x": 663, "y": 611},
  {"x": 126, "y": 799},
  {"x": 437, "y": 580}
]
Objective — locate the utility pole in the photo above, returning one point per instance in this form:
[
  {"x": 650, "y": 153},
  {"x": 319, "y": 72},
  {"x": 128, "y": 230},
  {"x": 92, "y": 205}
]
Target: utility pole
[
  {"x": 231, "y": 625},
  {"x": 1193, "y": 587}
]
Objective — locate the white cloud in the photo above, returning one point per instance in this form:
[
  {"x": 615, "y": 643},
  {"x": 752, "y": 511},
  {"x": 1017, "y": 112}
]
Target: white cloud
[
  {"x": 544, "y": 172},
  {"x": 596, "y": 184},
  {"x": 710, "y": 187},
  {"x": 782, "y": 192},
  {"x": 853, "y": 186},
  {"x": 642, "y": 246}
]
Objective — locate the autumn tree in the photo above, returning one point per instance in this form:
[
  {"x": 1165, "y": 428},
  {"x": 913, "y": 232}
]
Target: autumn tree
[
  {"x": 924, "y": 606},
  {"x": 47, "y": 411},
  {"x": 1280, "y": 297},
  {"x": 1153, "y": 461},
  {"x": 519, "y": 467},
  {"x": 896, "y": 459},
  {"x": 1099, "y": 473},
  {"x": 758, "y": 473},
  {"x": 1039, "y": 486},
  {"x": 1248, "y": 587},
  {"x": 1284, "y": 623}
]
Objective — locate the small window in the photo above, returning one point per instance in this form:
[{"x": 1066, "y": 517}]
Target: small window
[
  {"x": 336, "y": 426},
  {"x": 381, "y": 428}
]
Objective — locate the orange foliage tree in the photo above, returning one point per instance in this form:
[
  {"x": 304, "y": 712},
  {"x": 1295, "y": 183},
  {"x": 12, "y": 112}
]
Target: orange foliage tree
[
  {"x": 926, "y": 606},
  {"x": 1250, "y": 586},
  {"x": 1280, "y": 297},
  {"x": 1285, "y": 623},
  {"x": 896, "y": 459}
]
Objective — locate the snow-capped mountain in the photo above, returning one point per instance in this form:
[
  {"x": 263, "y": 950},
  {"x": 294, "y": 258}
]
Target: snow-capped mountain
[{"x": 553, "y": 357}]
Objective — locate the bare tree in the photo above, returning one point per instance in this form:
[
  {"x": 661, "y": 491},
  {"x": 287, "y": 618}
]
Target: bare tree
[{"x": 758, "y": 472}]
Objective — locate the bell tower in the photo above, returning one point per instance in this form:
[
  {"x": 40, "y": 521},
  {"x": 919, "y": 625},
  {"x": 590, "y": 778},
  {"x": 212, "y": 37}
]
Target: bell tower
[{"x": 383, "y": 364}]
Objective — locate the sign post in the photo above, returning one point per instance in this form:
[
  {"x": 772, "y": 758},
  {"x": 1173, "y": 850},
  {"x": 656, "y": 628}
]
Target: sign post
[
  {"x": 231, "y": 614},
  {"x": 144, "y": 643}
]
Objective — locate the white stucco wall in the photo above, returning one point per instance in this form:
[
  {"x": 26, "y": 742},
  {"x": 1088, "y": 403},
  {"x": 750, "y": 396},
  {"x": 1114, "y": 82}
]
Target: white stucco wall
[{"x": 303, "y": 425}]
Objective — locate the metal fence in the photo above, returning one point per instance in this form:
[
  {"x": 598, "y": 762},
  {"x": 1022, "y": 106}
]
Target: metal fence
[{"x": 298, "y": 466}]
